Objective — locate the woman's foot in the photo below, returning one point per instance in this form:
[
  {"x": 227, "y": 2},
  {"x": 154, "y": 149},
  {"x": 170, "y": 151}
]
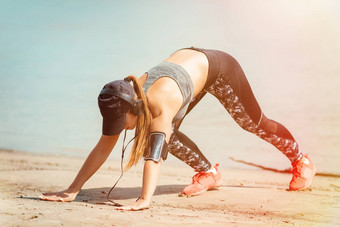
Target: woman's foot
[
  {"x": 303, "y": 173},
  {"x": 204, "y": 181}
]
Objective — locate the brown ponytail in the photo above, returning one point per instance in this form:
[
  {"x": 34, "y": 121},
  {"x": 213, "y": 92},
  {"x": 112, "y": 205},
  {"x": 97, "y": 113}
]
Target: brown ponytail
[{"x": 139, "y": 149}]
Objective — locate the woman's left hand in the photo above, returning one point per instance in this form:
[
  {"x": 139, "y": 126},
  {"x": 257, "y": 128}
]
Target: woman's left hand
[{"x": 140, "y": 204}]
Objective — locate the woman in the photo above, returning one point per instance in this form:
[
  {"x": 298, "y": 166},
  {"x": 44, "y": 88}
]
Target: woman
[{"x": 156, "y": 106}]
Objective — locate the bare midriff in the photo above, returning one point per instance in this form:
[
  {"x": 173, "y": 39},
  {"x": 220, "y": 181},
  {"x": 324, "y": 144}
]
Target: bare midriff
[{"x": 195, "y": 63}]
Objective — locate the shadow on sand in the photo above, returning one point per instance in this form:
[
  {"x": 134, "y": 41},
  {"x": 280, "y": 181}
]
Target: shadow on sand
[{"x": 99, "y": 195}]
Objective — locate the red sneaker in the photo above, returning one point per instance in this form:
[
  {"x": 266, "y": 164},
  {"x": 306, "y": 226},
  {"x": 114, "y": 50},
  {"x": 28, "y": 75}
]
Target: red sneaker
[
  {"x": 303, "y": 173},
  {"x": 203, "y": 181}
]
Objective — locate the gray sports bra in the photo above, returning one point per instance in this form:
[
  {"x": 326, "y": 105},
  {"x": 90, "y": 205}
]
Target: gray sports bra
[{"x": 180, "y": 76}]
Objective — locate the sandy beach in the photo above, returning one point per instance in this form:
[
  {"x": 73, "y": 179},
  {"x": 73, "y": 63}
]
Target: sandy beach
[{"x": 247, "y": 197}]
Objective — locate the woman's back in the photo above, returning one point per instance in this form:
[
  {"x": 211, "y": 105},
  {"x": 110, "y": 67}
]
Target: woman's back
[{"x": 195, "y": 63}]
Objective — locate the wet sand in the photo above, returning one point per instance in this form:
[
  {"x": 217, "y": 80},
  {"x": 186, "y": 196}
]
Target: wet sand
[{"x": 247, "y": 197}]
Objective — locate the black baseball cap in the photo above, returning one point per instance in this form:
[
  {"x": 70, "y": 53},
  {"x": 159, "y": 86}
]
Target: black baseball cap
[{"x": 114, "y": 100}]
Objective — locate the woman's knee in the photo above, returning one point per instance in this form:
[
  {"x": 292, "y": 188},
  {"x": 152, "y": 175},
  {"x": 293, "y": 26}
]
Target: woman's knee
[
  {"x": 268, "y": 124},
  {"x": 275, "y": 128}
]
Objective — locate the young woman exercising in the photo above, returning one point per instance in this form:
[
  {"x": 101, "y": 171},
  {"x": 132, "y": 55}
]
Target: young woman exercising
[{"x": 157, "y": 103}]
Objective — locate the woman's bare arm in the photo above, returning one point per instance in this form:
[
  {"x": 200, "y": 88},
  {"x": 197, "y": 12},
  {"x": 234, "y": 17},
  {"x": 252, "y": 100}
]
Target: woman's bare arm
[
  {"x": 151, "y": 168},
  {"x": 95, "y": 159},
  {"x": 162, "y": 123},
  {"x": 164, "y": 99}
]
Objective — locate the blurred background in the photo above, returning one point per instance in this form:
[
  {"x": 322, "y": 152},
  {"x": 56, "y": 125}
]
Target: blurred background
[{"x": 55, "y": 56}]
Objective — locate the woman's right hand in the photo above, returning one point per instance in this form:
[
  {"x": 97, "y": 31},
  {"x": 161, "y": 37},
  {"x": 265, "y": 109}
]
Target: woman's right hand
[
  {"x": 67, "y": 195},
  {"x": 95, "y": 159}
]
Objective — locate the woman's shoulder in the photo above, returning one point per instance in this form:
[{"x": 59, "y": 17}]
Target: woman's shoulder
[{"x": 164, "y": 95}]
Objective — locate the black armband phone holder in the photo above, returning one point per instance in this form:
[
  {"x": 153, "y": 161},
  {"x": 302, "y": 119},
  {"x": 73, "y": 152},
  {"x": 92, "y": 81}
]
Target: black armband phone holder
[{"x": 157, "y": 147}]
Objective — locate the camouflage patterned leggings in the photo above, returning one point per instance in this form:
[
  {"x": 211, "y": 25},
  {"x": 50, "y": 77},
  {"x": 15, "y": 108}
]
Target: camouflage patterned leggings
[{"x": 237, "y": 98}]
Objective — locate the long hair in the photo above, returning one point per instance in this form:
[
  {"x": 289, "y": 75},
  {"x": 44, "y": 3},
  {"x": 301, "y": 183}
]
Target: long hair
[{"x": 142, "y": 131}]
